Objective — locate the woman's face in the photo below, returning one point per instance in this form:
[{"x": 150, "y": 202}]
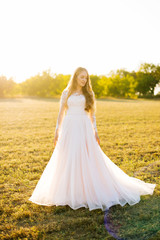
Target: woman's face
[{"x": 82, "y": 78}]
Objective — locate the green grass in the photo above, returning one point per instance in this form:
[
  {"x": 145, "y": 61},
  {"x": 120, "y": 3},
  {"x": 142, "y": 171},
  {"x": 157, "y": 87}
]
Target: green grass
[{"x": 129, "y": 135}]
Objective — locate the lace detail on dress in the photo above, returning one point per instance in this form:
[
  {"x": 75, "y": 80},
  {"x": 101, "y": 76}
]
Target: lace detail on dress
[
  {"x": 62, "y": 108},
  {"x": 94, "y": 122},
  {"x": 92, "y": 115},
  {"x": 63, "y": 98},
  {"x": 79, "y": 103}
]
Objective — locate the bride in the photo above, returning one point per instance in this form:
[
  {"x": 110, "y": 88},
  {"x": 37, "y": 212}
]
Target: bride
[{"x": 79, "y": 174}]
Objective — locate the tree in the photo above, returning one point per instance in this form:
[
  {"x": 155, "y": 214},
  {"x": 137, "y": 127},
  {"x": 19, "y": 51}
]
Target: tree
[
  {"x": 3, "y": 85},
  {"x": 148, "y": 76}
]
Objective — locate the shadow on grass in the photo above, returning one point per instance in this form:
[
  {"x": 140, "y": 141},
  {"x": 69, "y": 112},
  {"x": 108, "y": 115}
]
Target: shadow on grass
[{"x": 140, "y": 221}]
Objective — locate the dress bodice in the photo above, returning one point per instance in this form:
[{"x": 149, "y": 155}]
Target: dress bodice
[{"x": 76, "y": 105}]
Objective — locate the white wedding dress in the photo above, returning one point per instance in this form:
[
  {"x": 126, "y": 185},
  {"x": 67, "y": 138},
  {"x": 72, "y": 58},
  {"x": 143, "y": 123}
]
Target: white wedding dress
[{"x": 79, "y": 174}]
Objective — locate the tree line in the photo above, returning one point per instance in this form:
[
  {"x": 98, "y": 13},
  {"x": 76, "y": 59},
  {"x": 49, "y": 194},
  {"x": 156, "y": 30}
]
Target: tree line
[{"x": 120, "y": 83}]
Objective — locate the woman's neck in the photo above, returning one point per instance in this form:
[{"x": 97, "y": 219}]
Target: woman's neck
[{"x": 79, "y": 89}]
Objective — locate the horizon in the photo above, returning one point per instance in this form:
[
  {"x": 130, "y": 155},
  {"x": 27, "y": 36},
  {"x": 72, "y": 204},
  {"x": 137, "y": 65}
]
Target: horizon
[{"x": 65, "y": 73}]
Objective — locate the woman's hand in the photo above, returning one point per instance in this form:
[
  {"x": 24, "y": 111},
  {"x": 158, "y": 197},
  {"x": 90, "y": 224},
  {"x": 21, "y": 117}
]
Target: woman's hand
[
  {"x": 97, "y": 138},
  {"x": 56, "y": 137}
]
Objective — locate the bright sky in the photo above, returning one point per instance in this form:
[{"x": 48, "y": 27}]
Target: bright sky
[{"x": 61, "y": 35}]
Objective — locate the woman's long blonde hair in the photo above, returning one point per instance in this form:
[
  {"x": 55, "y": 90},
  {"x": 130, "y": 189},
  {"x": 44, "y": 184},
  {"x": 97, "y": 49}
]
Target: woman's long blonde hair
[{"x": 87, "y": 89}]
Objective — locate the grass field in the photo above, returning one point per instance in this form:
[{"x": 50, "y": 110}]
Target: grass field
[{"x": 129, "y": 132}]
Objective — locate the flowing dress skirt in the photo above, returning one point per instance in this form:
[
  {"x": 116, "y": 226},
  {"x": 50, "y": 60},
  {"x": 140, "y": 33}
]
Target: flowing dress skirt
[{"x": 79, "y": 174}]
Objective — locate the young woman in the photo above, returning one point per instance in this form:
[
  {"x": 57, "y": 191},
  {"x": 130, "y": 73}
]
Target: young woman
[{"x": 79, "y": 174}]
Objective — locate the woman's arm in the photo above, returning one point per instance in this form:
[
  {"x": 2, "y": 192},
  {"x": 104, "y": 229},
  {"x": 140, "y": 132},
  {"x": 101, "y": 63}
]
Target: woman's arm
[
  {"x": 61, "y": 110},
  {"x": 93, "y": 120},
  {"x": 92, "y": 115}
]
